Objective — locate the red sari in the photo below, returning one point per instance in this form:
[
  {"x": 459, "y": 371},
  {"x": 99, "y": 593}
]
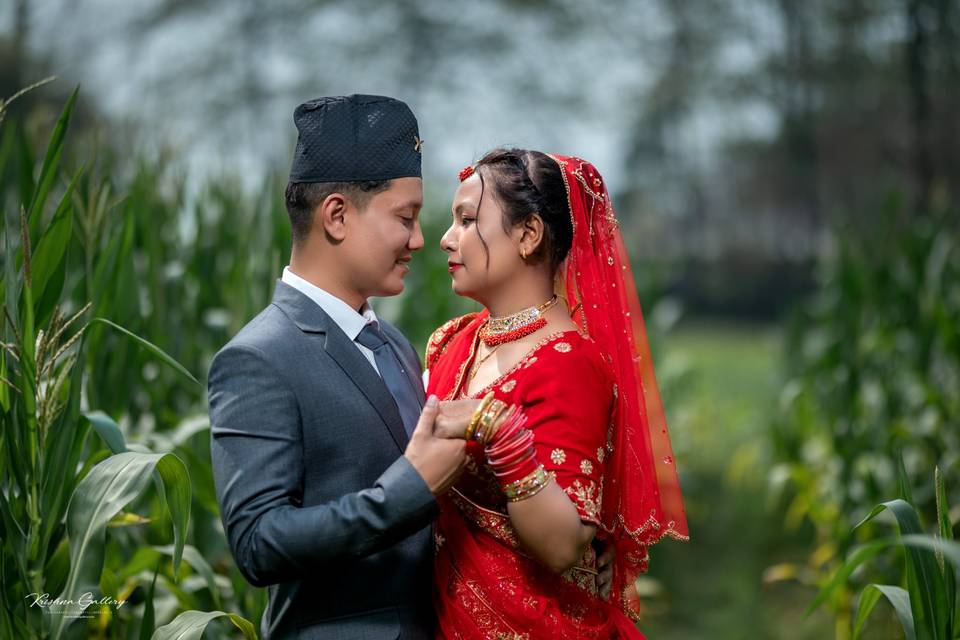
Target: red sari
[
  {"x": 486, "y": 585},
  {"x": 593, "y": 405}
]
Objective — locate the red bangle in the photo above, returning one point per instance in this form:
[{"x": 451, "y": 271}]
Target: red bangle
[{"x": 511, "y": 452}]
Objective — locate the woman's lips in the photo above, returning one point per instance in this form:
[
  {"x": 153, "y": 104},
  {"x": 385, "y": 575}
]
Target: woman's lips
[{"x": 453, "y": 266}]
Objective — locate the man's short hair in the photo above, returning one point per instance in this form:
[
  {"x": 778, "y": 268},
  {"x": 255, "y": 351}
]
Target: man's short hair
[{"x": 303, "y": 198}]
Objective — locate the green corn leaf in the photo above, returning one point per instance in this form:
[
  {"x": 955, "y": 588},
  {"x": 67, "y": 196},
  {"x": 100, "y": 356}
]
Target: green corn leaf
[
  {"x": 152, "y": 348},
  {"x": 10, "y": 522},
  {"x": 25, "y": 160},
  {"x": 146, "y": 557},
  {"x": 190, "y": 625},
  {"x": 148, "y": 621},
  {"x": 57, "y": 567},
  {"x": 7, "y": 147},
  {"x": 108, "y": 430},
  {"x": 898, "y": 598},
  {"x": 903, "y": 482},
  {"x": 143, "y": 559},
  {"x": 943, "y": 507},
  {"x": 10, "y": 291},
  {"x": 925, "y": 582},
  {"x": 109, "y": 487},
  {"x": 945, "y": 528},
  {"x": 50, "y": 167},
  {"x": 65, "y": 445},
  {"x": 50, "y": 256},
  {"x": 859, "y": 556},
  {"x": 948, "y": 549},
  {"x": 196, "y": 560}
]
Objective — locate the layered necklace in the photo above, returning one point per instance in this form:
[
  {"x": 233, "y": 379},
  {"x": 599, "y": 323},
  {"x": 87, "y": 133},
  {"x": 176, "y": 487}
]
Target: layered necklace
[{"x": 497, "y": 331}]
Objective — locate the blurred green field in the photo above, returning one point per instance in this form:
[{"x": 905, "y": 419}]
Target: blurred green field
[{"x": 720, "y": 383}]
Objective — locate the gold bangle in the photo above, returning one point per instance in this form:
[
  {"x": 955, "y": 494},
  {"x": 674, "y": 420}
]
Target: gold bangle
[
  {"x": 495, "y": 424},
  {"x": 475, "y": 418},
  {"x": 528, "y": 486},
  {"x": 486, "y": 420}
]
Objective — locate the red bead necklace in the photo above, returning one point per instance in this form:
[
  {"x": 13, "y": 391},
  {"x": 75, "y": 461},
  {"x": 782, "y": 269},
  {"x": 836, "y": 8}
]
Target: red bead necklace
[{"x": 497, "y": 331}]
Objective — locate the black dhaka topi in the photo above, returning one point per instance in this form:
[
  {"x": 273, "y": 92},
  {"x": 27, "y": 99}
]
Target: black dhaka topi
[{"x": 355, "y": 138}]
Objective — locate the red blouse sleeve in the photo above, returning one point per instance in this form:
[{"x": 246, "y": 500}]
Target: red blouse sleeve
[
  {"x": 441, "y": 337},
  {"x": 567, "y": 401}
]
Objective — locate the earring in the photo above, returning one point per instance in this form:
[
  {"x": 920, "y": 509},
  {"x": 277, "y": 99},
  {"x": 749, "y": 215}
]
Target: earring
[{"x": 523, "y": 254}]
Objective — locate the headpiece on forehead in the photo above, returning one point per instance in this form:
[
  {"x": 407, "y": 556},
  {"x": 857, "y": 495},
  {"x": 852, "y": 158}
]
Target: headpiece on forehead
[{"x": 355, "y": 138}]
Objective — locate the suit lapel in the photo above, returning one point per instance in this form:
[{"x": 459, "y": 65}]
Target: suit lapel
[{"x": 310, "y": 318}]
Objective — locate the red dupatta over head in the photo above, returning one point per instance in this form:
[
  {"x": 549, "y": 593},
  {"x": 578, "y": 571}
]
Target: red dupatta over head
[{"x": 641, "y": 492}]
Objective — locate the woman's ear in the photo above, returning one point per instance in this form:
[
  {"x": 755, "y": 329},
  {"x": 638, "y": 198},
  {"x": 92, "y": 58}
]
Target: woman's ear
[
  {"x": 531, "y": 235},
  {"x": 329, "y": 216}
]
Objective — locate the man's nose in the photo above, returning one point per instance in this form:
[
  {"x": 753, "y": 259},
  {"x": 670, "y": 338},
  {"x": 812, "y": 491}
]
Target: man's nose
[{"x": 416, "y": 238}]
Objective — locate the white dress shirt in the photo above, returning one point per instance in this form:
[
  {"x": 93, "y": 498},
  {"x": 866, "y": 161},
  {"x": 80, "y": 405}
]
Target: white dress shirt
[{"x": 347, "y": 318}]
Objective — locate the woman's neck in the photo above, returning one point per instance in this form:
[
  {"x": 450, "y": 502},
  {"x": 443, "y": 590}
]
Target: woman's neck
[{"x": 512, "y": 302}]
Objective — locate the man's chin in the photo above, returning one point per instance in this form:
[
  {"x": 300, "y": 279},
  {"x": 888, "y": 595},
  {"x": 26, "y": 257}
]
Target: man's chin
[{"x": 392, "y": 288}]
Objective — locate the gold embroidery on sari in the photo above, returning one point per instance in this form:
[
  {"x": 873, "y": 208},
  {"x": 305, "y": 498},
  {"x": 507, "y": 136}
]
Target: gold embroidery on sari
[
  {"x": 587, "y": 497},
  {"x": 492, "y": 522}
]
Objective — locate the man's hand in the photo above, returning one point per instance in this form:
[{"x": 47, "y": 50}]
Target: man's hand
[
  {"x": 605, "y": 570},
  {"x": 438, "y": 460},
  {"x": 454, "y": 417}
]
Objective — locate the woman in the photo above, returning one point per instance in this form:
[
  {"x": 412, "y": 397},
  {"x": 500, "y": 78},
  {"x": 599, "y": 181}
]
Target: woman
[{"x": 570, "y": 442}]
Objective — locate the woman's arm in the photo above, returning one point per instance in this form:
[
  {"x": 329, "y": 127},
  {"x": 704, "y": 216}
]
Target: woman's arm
[{"x": 550, "y": 527}]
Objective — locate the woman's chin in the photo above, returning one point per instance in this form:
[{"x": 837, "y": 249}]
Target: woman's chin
[{"x": 459, "y": 289}]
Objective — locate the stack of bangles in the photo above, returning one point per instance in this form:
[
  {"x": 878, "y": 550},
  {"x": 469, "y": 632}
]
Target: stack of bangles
[{"x": 509, "y": 448}]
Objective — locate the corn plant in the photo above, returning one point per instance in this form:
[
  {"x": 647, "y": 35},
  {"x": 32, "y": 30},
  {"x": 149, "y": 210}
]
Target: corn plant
[
  {"x": 61, "y": 491},
  {"x": 874, "y": 366},
  {"x": 927, "y": 607}
]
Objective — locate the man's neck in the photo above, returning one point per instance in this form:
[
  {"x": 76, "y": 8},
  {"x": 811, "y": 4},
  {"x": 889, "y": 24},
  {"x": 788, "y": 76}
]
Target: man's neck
[{"x": 317, "y": 274}]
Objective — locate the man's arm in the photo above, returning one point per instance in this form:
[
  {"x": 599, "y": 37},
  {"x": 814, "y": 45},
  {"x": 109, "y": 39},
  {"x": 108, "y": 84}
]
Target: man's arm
[{"x": 258, "y": 466}]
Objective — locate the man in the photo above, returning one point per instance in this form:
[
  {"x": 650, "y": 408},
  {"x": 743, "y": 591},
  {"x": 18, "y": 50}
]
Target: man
[{"x": 324, "y": 453}]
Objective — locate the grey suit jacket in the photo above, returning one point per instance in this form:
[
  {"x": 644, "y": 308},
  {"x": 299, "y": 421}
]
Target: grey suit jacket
[{"x": 316, "y": 498}]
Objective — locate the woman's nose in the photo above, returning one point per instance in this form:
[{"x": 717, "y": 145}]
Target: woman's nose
[{"x": 447, "y": 242}]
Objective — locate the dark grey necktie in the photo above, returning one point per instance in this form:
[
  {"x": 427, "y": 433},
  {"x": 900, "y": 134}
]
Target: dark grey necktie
[{"x": 393, "y": 375}]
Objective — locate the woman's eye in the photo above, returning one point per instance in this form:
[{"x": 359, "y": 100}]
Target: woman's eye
[{"x": 468, "y": 221}]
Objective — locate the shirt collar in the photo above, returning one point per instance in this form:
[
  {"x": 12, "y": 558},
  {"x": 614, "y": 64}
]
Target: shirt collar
[{"x": 347, "y": 318}]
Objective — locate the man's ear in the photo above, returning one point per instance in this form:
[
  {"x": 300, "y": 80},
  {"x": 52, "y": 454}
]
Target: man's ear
[{"x": 329, "y": 216}]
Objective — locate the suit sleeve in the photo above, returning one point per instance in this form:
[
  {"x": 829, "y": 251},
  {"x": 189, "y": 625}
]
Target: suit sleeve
[{"x": 257, "y": 456}]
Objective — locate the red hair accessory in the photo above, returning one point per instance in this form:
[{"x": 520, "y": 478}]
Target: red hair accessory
[{"x": 466, "y": 172}]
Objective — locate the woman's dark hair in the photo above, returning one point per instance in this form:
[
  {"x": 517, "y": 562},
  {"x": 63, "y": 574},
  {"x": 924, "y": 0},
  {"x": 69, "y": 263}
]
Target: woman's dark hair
[{"x": 525, "y": 183}]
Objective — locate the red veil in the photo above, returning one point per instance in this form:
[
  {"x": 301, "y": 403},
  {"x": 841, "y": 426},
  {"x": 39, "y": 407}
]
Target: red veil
[{"x": 641, "y": 493}]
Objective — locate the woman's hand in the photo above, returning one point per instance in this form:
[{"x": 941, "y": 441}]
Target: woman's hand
[{"x": 454, "y": 417}]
